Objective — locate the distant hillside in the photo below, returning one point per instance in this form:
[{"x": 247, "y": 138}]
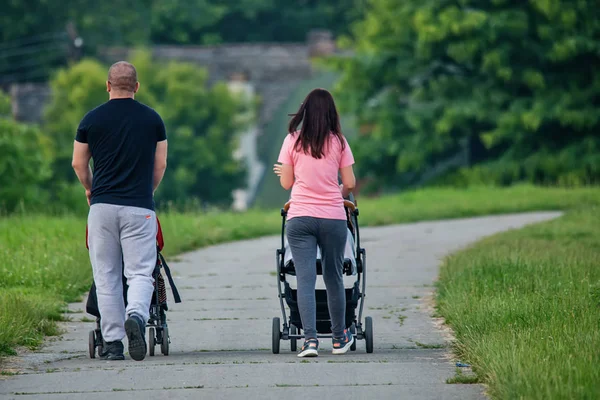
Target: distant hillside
[{"x": 270, "y": 194}]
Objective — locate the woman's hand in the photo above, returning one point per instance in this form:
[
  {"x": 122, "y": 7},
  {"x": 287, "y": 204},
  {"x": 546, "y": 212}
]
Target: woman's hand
[
  {"x": 285, "y": 173},
  {"x": 277, "y": 168}
]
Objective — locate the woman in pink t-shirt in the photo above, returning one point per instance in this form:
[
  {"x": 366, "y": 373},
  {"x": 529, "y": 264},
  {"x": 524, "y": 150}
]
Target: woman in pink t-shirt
[{"x": 311, "y": 159}]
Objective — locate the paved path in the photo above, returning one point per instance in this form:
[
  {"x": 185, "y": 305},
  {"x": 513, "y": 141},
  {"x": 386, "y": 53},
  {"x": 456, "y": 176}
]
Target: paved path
[{"x": 221, "y": 333}]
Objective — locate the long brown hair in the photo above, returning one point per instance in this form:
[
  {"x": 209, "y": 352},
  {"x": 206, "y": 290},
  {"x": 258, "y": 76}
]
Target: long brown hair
[{"x": 319, "y": 119}]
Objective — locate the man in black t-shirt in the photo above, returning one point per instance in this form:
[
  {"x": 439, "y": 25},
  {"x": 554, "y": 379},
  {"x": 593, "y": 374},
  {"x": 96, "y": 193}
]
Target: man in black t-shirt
[{"x": 128, "y": 145}]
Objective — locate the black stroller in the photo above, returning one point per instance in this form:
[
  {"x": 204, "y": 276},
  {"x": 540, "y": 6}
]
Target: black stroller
[
  {"x": 354, "y": 295},
  {"x": 158, "y": 332}
]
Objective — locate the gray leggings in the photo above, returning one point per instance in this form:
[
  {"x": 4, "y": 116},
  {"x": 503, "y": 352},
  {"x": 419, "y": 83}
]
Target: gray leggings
[{"x": 304, "y": 234}]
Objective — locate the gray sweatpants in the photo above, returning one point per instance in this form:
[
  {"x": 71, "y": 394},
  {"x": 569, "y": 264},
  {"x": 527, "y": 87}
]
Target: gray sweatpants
[
  {"x": 120, "y": 235},
  {"x": 304, "y": 234}
]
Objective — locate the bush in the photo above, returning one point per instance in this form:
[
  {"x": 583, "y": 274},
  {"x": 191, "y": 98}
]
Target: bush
[
  {"x": 575, "y": 165},
  {"x": 24, "y": 165},
  {"x": 520, "y": 79}
]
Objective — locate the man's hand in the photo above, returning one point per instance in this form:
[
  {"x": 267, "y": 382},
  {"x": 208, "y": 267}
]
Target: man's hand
[{"x": 88, "y": 194}]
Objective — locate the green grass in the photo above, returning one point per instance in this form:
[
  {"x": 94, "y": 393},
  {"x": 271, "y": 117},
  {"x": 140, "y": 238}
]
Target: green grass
[
  {"x": 525, "y": 308},
  {"x": 45, "y": 262},
  {"x": 184, "y": 232},
  {"x": 462, "y": 378},
  {"x": 430, "y": 346},
  {"x": 443, "y": 203}
]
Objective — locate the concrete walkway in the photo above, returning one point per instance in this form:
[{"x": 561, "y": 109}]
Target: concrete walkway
[{"x": 221, "y": 333}]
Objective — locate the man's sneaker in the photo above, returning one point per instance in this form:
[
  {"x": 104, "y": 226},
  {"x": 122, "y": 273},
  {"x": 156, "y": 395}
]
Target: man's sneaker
[
  {"x": 341, "y": 345},
  {"x": 310, "y": 348},
  {"x": 112, "y": 351},
  {"x": 136, "y": 329}
]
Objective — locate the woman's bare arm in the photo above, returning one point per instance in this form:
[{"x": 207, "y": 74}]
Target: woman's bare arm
[{"x": 348, "y": 180}]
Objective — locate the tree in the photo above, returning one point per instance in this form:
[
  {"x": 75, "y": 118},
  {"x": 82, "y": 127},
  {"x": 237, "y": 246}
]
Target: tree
[
  {"x": 186, "y": 22},
  {"x": 75, "y": 91},
  {"x": 520, "y": 79},
  {"x": 5, "y": 105},
  {"x": 25, "y": 160},
  {"x": 141, "y": 22},
  {"x": 285, "y": 21},
  {"x": 200, "y": 121},
  {"x": 34, "y": 38}
]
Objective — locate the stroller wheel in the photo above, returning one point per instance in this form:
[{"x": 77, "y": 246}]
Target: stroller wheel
[
  {"x": 276, "y": 335},
  {"x": 92, "y": 344},
  {"x": 369, "y": 334},
  {"x": 164, "y": 345},
  {"x": 353, "y": 331},
  {"x": 293, "y": 341},
  {"x": 151, "y": 341}
]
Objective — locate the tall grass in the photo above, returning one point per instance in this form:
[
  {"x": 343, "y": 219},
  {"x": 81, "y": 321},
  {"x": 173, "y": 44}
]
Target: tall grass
[
  {"x": 44, "y": 262},
  {"x": 44, "y": 253},
  {"x": 443, "y": 203},
  {"x": 26, "y": 316},
  {"x": 525, "y": 307}
]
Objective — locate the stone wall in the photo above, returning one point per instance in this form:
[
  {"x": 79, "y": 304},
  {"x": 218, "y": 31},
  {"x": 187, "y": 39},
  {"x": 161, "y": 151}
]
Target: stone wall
[{"x": 28, "y": 101}]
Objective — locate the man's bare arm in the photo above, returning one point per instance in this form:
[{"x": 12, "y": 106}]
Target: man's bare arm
[
  {"x": 81, "y": 164},
  {"x": 160, "y": 163}
]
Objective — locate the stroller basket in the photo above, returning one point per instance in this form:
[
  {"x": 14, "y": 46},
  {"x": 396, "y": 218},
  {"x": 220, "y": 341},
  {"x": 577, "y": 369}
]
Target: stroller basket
[{"x": 323, "y": 318}]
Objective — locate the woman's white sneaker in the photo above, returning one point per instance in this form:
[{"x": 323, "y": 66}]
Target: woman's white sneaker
[
  {"x": 310, "y": 348},
  {"x": 342, "y": 345}
]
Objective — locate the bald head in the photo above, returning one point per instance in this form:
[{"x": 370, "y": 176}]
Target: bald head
[{"x": 122, "y": 77}]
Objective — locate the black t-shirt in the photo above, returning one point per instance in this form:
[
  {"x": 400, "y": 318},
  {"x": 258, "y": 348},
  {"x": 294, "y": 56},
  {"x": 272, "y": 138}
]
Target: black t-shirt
[{"x": 122, "y": 136}]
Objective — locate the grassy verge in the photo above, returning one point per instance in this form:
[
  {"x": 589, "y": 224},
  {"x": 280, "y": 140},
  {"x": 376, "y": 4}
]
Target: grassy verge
[
  {"x": 525, "y": 308},
  {"x": 44, "y": 262},
  {"x": 443, "y": 203}
]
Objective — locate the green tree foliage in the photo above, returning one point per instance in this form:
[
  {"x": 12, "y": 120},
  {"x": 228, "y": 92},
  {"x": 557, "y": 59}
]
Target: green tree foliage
[
  {"x": 135, "y": 22},
  {"x": 521, "y": 79},
  {"x": 36, "y": 37},
  {"x": 186, "y": 21},
  {"x": 202, "y": 130},
  {"x": 75, "y": 91},
  {"x": 5, "y": 105},
  {"x": 283, "y": 20},
  {"x": 200, "y": 121},
  {"x": 25, "y": 160}
]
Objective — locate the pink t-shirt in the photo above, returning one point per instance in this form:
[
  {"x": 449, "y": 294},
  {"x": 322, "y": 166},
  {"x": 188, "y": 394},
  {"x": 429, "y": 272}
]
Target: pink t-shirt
[{"x": 316, "y": 191}]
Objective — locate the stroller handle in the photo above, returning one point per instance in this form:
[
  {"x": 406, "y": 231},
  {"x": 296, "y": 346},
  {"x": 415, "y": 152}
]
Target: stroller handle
[
  {"x": 350, "y": 205},
  {"x": 347, "y": 203}
]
